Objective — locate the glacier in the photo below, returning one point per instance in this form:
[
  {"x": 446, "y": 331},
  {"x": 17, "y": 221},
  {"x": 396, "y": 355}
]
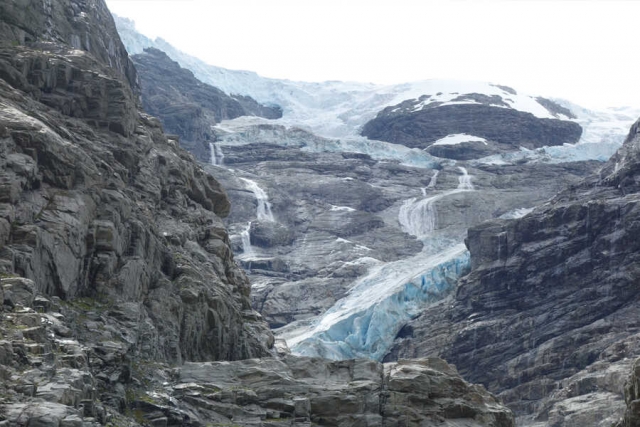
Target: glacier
[
  {"x": 365, "y": 322},
  {"x": 336, "y": 111}
]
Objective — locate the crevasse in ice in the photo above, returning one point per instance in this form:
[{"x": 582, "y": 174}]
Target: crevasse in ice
[{"x": 366, "y": 321}]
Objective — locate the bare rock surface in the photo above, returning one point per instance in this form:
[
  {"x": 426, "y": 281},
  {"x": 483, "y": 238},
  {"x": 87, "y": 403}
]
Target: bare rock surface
[
  {"x": 98, "y": 203},
  {"x": 548, "y": 316},
  {"x": 188, "y": 107},
  {"x": 55, "y": 374},
  {"x": 504, "y": 129}
]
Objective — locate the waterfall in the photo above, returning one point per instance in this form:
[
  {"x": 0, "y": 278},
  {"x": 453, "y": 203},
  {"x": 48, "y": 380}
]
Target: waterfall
[
  {"x": 264, "y": 207},
  {"x": 464, "y": 181},
  {"x": 217, "y": 157},
  {"x": 247, "y": 250},
  {"x": 433, "y": 180},
  {"x": 418, "y": 218}
]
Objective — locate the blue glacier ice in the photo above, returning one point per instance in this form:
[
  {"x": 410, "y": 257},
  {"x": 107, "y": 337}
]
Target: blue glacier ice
[{"x": 365, "y": 322}]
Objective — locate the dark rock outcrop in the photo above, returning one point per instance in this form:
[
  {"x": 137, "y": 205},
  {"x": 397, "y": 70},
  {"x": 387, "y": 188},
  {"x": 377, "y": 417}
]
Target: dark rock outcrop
[
  {"x": 188, "y": 107},
  {"x": 632, "y": 398},
  {"x": 549, "y": 312},
  {"x": 97, "y": 203},
  {"x": 52, "y": 378},
  {"x": 505, "y": 129}
]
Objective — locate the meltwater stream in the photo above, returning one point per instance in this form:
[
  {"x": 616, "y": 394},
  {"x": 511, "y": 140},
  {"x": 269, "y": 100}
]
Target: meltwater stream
[
  {"x": 264, "y": 207},
  {"x": 365, "y": 322},
  {"x": 217, "y": 156},
  {"x": 263, "y": 213}
]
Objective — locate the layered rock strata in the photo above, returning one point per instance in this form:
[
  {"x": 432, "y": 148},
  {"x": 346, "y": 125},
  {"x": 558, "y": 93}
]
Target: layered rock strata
[
  {"x": 97, "y": 202},
  {"x": 548, "y": 317},
  {"x": 53, "y": 378},
  {"x": 116, "y": 267}
]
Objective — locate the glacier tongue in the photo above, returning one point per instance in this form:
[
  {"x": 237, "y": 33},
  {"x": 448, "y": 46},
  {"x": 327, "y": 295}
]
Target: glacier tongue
[{"x": 366, "y": 321}]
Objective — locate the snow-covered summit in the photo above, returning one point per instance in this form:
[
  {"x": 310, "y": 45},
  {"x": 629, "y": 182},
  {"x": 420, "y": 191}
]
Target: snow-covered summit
[
  {"x": 339, "y": 110},
  {"x": 335, "y": 108}
]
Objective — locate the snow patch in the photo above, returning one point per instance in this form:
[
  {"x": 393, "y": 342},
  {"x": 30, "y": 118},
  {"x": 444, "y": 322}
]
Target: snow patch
[
  {"x": 459, "y": 138},
  {"x": 342, "y": 208}
]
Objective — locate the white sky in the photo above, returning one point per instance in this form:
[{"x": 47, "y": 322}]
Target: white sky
[{"x": 584, "y": 51}]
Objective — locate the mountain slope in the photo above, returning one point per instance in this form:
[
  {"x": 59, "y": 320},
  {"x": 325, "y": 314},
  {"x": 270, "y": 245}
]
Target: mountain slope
[
  {"x": 186, "y": 106},
  {"x": 333, "y": 195},
  {"x": 549, "y": 312},
  {"x": 340, "y": 110}
]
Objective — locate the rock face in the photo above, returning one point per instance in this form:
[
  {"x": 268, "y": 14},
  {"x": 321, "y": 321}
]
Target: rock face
[
  {"x": 505, "y": 129},
  {"x": 632, "y": 398},
  {"x": 70, "y": 60},
  {"x": 346, "y": 393},
  {"x": 53, "y": 371},
  {"x": 336, "y": 214},
  {"x": 186, "y": 106},
  {"x": 52, "y": 378},
  {"x": 548, "y": 317},
  {"x": 97, "y": 203}
]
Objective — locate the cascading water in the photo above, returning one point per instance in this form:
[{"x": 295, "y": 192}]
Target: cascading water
[
  {"x": 264, "y": 207},
  {"x": 217, "y": 156},
  {"x": 418, "y": 217},
  {"x": 433, "y": 180},
  {"x": 366, "y": 321},
  {"x": 263, "y": 213},
  {"x": 247, "y": 249},
  {"x": 464, "y": 181}
]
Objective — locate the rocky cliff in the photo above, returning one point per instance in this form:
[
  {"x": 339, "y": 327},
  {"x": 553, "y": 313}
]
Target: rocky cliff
[
  {"x": 502, "y": 128},
  {"x": 97, "y": 202},
  {"x": 548, "y": 317},
  {"x": 188, "y": 107},
  {"x": 52, "y": 379}
]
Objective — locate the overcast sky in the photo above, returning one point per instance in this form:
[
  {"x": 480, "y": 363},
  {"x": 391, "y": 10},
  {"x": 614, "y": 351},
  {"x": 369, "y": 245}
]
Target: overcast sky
[{"x": 584, "y": 51}]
